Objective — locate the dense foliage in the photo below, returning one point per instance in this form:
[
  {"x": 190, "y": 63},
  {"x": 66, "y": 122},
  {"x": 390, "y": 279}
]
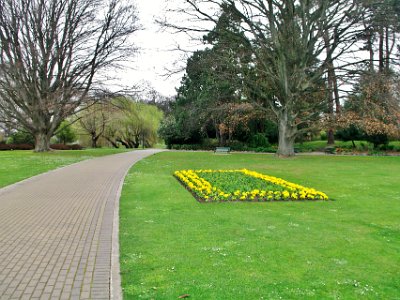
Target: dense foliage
[{"x": 297, "y": 64}]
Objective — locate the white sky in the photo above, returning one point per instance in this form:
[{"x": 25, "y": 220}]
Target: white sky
[{"x": 155, "y": 51}]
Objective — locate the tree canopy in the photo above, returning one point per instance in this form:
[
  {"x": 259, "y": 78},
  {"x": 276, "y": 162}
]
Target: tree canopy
[{"x": 286, "y": 58}]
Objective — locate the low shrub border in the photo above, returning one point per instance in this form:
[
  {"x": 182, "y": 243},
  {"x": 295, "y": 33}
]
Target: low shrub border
[
  {"x": 7, "y": 147},
  {"x": 243, "y": 185}
]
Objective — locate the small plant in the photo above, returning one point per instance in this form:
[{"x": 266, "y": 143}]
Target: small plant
[{"x": 243, "y": 185}]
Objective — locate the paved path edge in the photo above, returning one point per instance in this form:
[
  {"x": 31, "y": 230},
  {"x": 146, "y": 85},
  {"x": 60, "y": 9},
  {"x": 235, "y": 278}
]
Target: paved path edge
[
  {"x": 14, "y": 185},
  {"x": 115, "y": 276}
]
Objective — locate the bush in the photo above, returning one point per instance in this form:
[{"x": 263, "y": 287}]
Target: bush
[
  {"x": 238, "y": 146},
  {"x": 21, "y": 137},
  {"x": 66, "y": 147},
  {"x": 323, "y": 136},
  {"x": 352, "y": 133},
  {"x": 259, "y": 140},
  {"x": 66, "y": 134},
  {"x": 377, "y": 139},
  {"x": 265, "y": 150},
  {"x": 4, "y": 147}
]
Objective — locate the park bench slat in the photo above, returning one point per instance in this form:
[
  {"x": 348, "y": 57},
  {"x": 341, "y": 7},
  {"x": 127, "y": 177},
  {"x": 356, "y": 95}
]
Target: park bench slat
[{"x": 224, "y": 150}]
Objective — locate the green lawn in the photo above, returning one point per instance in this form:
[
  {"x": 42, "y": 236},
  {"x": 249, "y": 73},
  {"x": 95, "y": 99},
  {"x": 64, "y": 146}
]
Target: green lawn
[
  {"x": 18, "y": 165},
  {"x": 360, "y": 145},
  {"x": 347, "y": 248}
]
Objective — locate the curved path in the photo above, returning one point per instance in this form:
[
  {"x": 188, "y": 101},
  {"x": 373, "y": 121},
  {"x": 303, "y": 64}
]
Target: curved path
[{"x": 57, "y": 231}]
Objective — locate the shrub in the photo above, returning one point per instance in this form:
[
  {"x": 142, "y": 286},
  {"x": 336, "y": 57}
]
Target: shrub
[
  {"x": 66, "y": 147},
  {"x": 66, "y": 134},
  {"x": 377, "y": 139},
  {"x": 351, "y": 133},
  {"x": 21, "y": 137},
  {"x": 258, "y": 140},
  {"x": 323, "y": 136},
  {"x": 4, "y": 147}
]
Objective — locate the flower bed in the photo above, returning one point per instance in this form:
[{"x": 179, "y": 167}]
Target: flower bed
[{"x": 243, "y": 185}]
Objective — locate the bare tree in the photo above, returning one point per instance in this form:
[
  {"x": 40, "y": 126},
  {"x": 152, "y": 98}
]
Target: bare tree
[
  {"x": 94, "y": 119},
  {"x": 293, "y": 43},
  {"x": 50, "y": 53}
]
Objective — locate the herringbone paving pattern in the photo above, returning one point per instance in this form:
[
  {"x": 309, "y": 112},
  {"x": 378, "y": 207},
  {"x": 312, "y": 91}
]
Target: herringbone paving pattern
[{"x": 56, "y": 230}]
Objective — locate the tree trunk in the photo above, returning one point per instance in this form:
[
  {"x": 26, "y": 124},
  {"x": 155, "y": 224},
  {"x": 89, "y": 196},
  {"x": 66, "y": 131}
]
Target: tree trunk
[
  {"x": 287, "y": 136},
  {"x": 371, "y": 51},
  {"x": 388, "y": 51},
  {"x": 125, "y": 144},
  {"x": 331, "y": 89},
  {"x": 336, "y": 93},
  {"x": 381, "y": 51},
  {"x": 94, "y": 141},
  {"x": 114, "y": 144},
  {"x": 42, "y": 142},
  {"x": 331, "y": 137}
]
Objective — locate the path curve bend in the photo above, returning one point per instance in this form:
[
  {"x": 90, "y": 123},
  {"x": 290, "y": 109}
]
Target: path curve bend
[{"x": 58, "y": 231}]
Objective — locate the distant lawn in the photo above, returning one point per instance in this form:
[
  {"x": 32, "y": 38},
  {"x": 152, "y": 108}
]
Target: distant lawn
[
  {"x": 347, "y": 248},
  {"x": 18, "y": 165},
  {"x": 360, "y": 145}
]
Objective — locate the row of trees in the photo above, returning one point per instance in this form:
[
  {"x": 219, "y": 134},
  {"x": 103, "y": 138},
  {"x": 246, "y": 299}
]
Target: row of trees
[
  {"x": 114, "y": 122},
  {"x": 292, "y": 62},
  {"x": 120, "y": 121}
]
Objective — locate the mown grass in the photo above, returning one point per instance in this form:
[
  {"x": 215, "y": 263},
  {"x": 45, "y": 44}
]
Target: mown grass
[
  {"x": 18, "y": 165},
  {"x": 347, "y": 248},
  {"x": 360, "y": 145}
]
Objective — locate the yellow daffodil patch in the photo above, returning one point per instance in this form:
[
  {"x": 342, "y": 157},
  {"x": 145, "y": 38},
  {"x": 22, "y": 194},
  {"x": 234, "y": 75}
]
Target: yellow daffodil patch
[{"x": 243, "y": 185}]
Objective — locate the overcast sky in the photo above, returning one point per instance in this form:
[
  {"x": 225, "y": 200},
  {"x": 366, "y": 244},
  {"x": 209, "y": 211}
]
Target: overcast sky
[{"x": 155, "y": 51}]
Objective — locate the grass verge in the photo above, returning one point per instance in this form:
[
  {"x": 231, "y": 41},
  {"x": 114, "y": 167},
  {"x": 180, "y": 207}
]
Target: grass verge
[
  {"x": 348, "y": 248},
  {"x": 18, "y": 165}
]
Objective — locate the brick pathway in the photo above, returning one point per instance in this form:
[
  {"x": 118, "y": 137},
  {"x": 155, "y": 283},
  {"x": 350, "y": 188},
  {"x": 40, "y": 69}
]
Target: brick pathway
[{"x": 56, "y": 231}]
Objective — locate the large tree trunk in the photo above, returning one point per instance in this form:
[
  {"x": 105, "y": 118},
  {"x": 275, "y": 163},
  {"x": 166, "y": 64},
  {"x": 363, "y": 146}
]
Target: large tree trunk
[
  {"x": 287, "y": 135},
  {"x": 94, "y": 141},
  {"x": 42, "y": 142},
  {"x": 332, "y": 86},
  {"x": 331, "y": 137}
]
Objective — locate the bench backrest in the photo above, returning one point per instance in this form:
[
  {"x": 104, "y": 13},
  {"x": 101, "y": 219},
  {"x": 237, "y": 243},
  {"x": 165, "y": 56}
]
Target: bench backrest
[{"x": 222, "y": 149}]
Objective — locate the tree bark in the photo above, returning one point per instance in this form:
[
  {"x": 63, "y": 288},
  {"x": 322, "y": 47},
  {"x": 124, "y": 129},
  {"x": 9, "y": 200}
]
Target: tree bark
[
  {"x": 94, "y": 141},
  {"x": 371, "y": 50},
  {"x": 381, "y": 51},
  {"x": 114, "y": 144},
  {"x": 332, "y": 89},
  {"x": 124, "y": 143},
  {"x": 42, "y": 142},
  {"x": 287, "y": 136},
  {"x": 331, "y": 137}
]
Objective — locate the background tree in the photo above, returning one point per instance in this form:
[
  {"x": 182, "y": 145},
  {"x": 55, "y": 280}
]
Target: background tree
[
  {"x": 50, "y": 53},
  {"x": 381, "y": 22},
  {"x": 66, "y": 133},
  {"x": 94, "y": 119},
  {"x": 287, "y": 40},
  {"x": 374, "y": 110},
  {"x": 211, "y": 91},
  {"x": 138, "y": 123}
]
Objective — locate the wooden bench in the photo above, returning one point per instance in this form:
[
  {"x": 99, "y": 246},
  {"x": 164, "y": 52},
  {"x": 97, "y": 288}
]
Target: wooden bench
[{"x": 222, "y": 150}]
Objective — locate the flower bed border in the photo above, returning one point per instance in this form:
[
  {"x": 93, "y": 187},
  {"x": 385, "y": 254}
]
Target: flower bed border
[{"x": 204, "y": 192}]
